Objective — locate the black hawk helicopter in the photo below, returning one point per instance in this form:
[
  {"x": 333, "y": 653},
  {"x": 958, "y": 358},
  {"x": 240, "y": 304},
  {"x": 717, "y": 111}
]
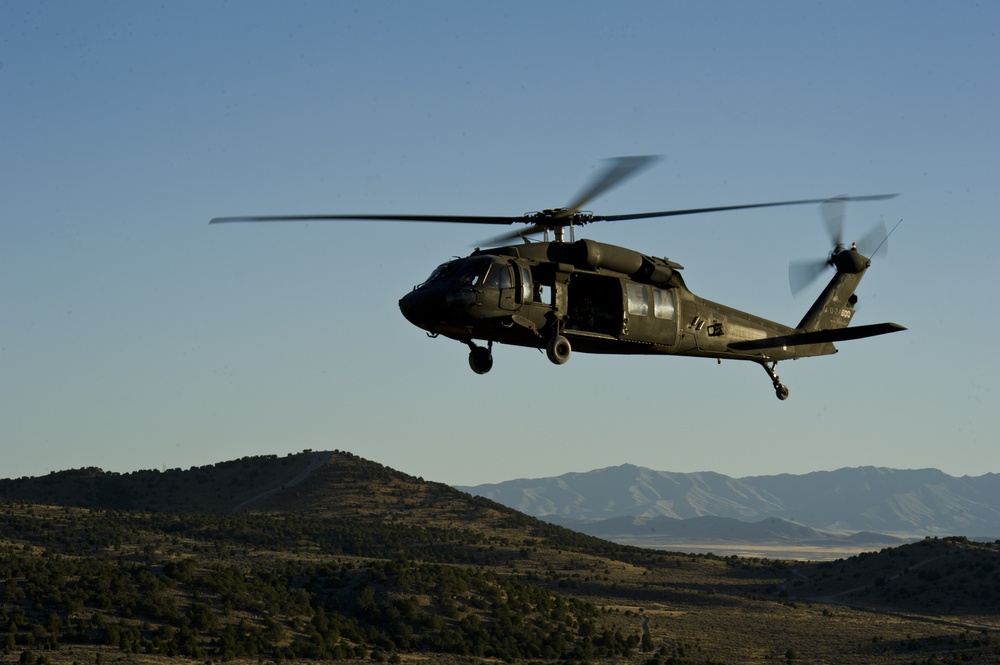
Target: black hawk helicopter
[{"x": 580, "y": 295}]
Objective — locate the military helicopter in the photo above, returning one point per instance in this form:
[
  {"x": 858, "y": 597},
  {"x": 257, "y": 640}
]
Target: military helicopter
[{"x": 564, "y": 295}]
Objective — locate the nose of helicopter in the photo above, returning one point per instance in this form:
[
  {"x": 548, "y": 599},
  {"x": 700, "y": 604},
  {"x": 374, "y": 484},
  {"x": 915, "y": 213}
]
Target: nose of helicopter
[
  {"x": 431, "y": 308},
  {"x": 417, "y": 307},
  {"x": 407, "y": 305}
]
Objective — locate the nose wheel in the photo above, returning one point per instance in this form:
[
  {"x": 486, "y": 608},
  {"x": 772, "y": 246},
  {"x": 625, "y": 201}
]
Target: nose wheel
[
  {"x": 481, "y": 358},
  {"x": 780, "y": 389}
]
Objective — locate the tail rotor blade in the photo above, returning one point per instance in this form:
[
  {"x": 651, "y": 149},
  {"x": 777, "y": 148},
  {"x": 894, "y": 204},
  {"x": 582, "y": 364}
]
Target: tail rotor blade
[
  {"x": 875, "y": 242},
  {"x": 803, "y": 273},
  {"x": 834, "y": 211}
]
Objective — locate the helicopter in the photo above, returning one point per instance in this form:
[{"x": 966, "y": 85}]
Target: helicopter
[{"x": 565, "y": 295}]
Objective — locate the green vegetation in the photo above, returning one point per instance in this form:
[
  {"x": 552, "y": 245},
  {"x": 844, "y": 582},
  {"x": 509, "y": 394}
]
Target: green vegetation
[
  {"x": 354, "y": 561},
  {"x": 215, "y": 587}
]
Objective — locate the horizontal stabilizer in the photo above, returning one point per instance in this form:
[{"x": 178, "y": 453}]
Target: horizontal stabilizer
[{"x": 818, "y": 337}]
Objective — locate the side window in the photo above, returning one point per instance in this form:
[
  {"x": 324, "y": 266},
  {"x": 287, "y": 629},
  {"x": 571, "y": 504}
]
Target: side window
[
  {"x": 506, "y": 277},
  {"x": 526, "y": 286},
  {"x": 663, "y": 304},
  {"x": 638, "y": 303}
]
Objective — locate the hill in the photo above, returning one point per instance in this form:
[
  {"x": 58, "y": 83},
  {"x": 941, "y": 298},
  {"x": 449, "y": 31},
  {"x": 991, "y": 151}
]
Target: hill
[
  {"x": 343, "y": 558},
  {"x": 919, "y": 503},
  {"x": 954, "y": 574},
  {"x": 221, "y": 488}
]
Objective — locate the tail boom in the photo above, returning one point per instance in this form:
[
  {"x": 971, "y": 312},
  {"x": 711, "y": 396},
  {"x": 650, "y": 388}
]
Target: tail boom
[{"x": 827, "y": 320}]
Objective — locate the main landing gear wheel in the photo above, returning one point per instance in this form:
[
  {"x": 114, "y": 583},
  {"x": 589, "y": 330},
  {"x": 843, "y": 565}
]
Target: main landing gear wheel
[
  {"x": 480, "y": 358},
  {"x": 559, "y": 350},
  {"x": 780, "y": 389}
]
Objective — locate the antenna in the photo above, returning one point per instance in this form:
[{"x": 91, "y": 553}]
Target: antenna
[{"x": 886, "y": 237}]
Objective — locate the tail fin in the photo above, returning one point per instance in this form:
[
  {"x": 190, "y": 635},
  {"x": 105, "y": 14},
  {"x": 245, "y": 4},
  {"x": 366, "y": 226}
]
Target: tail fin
[{"x": 834, "y": 308}]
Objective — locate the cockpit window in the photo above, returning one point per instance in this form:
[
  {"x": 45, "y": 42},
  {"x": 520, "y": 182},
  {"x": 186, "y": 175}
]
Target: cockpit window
[
  {"x": 471, "y": 272},
  {"x": 440, "y": 274},
  {"x": 499, "y": 277}
]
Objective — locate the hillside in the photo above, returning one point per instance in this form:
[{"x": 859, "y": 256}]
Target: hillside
[
  {"x": 919, "y": 503},
  {"x": 347, "y": 559},
  {"x": 954, "y": 574}
]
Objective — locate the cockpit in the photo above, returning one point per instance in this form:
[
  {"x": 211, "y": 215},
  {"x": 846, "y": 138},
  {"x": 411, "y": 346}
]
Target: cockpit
[
  {"x": 480, "y": 286},
  {"x": 474, "y": 271}
]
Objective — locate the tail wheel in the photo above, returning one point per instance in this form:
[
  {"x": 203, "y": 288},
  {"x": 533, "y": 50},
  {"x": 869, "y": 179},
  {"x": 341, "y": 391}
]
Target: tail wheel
[
  {"x": 780, "y": 389},
  {"x": 559, "y": 350}
]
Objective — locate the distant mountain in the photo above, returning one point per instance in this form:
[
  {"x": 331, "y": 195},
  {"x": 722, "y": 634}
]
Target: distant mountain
[
  {"x": 912, "y": 502},
  {"x": 663, "y": 531}
]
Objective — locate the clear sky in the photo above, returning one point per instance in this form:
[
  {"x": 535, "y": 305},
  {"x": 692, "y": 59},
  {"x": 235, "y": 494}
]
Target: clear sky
[{"x": 133, "y": 335}]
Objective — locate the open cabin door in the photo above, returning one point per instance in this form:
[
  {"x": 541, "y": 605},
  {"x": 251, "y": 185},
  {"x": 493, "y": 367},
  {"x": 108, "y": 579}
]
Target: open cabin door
[{"x": 595, "y": 305}]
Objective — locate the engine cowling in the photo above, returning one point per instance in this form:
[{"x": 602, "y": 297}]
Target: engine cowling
[{"x": 596, "y": 255}]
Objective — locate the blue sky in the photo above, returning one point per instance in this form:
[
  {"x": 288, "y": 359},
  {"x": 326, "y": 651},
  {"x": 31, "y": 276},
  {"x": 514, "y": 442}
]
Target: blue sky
[{"x": 133, "y": 335}]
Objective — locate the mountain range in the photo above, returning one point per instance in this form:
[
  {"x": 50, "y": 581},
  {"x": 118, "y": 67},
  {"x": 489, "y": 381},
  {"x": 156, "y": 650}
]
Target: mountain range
[{"x": 630, "y": 499}]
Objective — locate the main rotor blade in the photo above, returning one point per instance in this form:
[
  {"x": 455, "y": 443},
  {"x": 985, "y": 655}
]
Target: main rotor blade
[
  {"x": 456, "y": 219},
  {"x": 519, "y": 234},
  {"x": 695, "y": 211},
  {"x": 616, "y": 170},
  {"x": 623, "y": 167}
]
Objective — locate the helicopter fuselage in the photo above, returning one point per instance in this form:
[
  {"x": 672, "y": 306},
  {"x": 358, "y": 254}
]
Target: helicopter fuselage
[{"x": 599, "y": 298}]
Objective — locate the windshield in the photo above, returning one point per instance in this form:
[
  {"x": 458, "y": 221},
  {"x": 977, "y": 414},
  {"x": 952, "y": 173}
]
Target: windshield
[
  {"x": 439, "y": 275},
  {"x": 464, "y": 271}
]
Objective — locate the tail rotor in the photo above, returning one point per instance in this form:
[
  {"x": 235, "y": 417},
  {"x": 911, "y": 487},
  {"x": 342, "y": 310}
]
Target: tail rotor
[{"x": 802, "y": 273}]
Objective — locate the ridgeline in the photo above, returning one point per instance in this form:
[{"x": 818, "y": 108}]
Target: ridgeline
[{"x": 330, "y": 556}]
